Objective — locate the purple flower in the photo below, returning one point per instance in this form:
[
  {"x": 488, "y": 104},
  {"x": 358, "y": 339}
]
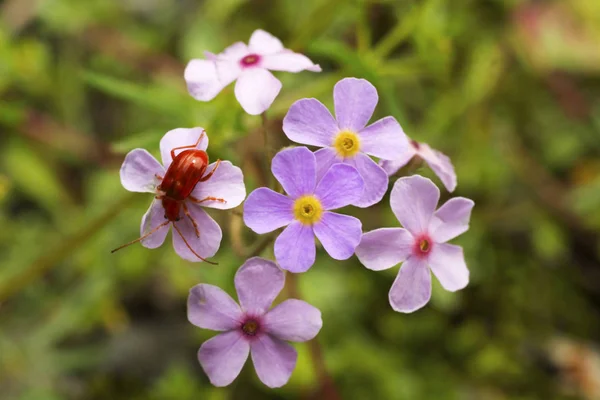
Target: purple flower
[
  {"x": 421, "y": 245},
  {"x": 196, "y": 235},
  {"x": 256, "y": 88},
  {"x": 253, "y": 328},
  {"x": 306, "y": 211},
  {"x": 348, "y": 140},
  {"x": 438, "y": 162}
]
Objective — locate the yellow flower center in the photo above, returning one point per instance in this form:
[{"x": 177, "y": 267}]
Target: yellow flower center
[
  {"x": 308, "y": 210},
  {"x": 424, "y": 245},
  {"x": 347, "y": 143}
]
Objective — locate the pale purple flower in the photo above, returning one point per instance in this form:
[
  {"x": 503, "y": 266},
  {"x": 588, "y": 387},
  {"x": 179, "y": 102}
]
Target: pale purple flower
[
  {"x": 225, "y": 189},
  {"x": 437, "y": 161},
  {"x": 256, "y": 88},
  {"x": 348, "y": 140},
  {"x": 305, "y": 211},
  {"x": 252, "y": 328},
  {"x": 421, "y": 245}
]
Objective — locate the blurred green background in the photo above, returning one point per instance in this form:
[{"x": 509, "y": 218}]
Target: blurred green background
[{"x": 510, "y": 90}]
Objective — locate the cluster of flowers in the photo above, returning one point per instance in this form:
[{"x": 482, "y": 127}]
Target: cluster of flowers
[{"x": 339, "y": 174}]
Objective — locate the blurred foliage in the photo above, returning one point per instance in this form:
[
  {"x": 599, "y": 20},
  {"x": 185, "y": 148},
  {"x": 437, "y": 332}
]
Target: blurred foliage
[{"x": 510, "y": 90}]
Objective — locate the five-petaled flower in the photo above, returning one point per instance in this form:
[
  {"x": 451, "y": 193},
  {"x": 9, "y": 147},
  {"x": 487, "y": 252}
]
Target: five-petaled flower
[
  {"x": 197, "y": 235},
  {"x": 348, "y": 140},
  {"x": 253, "y": 328},
  {"x": 256, "y": 88},
  {"x": 421, "y": 245},
  {"x": 437, "y": 161},
  {"x": 306, "y": 210}
]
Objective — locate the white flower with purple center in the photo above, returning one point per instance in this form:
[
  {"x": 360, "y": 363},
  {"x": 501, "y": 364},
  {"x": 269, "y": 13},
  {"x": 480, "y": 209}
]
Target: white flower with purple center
[
  {"x": 252, "y": 328},
  {"x": 256, "y": 88},
  {"x": 197, "y": 236},
  {"x": 348, "y": 140},
  {"x": 421, "y": 245},
  {"x": 437, "y": 161},
  {"x": 306, "y": 210}
]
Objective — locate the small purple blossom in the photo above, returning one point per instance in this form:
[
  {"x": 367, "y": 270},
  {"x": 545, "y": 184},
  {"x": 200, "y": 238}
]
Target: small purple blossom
[
  {"x": 437, "y": 161},
  {"x": 256, "y": 88},
  {"x": 421, "y": 245},
  {"x": 348, "y": 140},
  {"x": 306, "y": 210},
  {"x": 141, "y": 172},
  {"x": 252, "y": 328}
]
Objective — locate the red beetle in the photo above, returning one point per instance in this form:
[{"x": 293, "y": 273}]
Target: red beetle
[{"x": 184, "y": 173}]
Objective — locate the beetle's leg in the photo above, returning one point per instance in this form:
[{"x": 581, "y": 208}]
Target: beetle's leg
[
  {"x": 207, "y": 177},
  {"x": 195, "y": 200},
  {"x": 156, "y": 228},
  {"x": 187, "y": 213},
  {"x": 190, "y": 247},
  {"x": 157, "y": 176},
  {"x": 191, "y": 146}
]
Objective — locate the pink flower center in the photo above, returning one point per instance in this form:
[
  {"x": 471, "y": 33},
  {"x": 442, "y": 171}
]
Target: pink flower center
[
  {"x": 250, "y": 60},
  {"x": 251, "y": 327},
  {"x": 423, "y": 246}
]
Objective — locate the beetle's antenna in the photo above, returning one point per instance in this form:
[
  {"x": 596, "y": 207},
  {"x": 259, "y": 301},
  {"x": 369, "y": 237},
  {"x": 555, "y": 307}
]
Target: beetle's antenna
[
  {"x": 143, "y": 237},
  {"x": 190, "y": 247}
]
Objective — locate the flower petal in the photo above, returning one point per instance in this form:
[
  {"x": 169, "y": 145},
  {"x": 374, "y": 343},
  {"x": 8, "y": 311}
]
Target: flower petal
[
  {"x": 154, "y": 217},
  {"x": 227, "y": 71},
  {"x": 295, "y": 249},
  {"x": 342, "y": 185},
  {"x": 139, "y": 171},
  {"x": 440, "y": 164},
  {"x": 181, "y": 137},
  {"x": 210, "y": 56},
  {"x": 202, "y": 80},
  {"x": 209, "y": 307},
  {"x": 266, "y": 210},
  {"x": 375, "y": 178},
  {"x": 326, "y": 157},
  {"x": 263, "y": 43},
  {"x": 288, "y": 61},
  {"x": 274, "y": 360},
  {"x": 383, "y": 248},
  {"x": 412, "y": 288},
  {"x": 234, "y": 52},
  {"x": 295, "y": 169},
  {"x": 209, "y": 241},
  {"x": 453, "y": 219},
  {"x": 392, "y": 166},
  {"x": 227, "y": 63},
  {"x": 223, "y": 356},
  {"x": 339, "y": 234},
  {"x": 448, "y": 265},
  {"x": 413, "y": 201},
  {"x": 308, "y": 121},
  {"x": 293, "y": 320},
  {"x": 384, "y": 139},
  {"x": 256, "y": 89},
  {"x": 226, "y": 183},
  {"x": 355, "y": 101},
  {"x": 258, "y": 282}
]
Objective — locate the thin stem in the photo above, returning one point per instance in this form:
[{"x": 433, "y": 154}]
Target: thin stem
[
  {"x": 327, "y": 389},
  {"x": 412, "y": 166},
  {"x": 260, "y": 245},
  {"x": 267, "y": 148},
  {"x": 239, "y": 247}
]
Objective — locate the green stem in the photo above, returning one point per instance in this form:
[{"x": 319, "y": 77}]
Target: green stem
[
  {"x": 327, "y": 389},
  {"x": 267, "y": 149}
]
